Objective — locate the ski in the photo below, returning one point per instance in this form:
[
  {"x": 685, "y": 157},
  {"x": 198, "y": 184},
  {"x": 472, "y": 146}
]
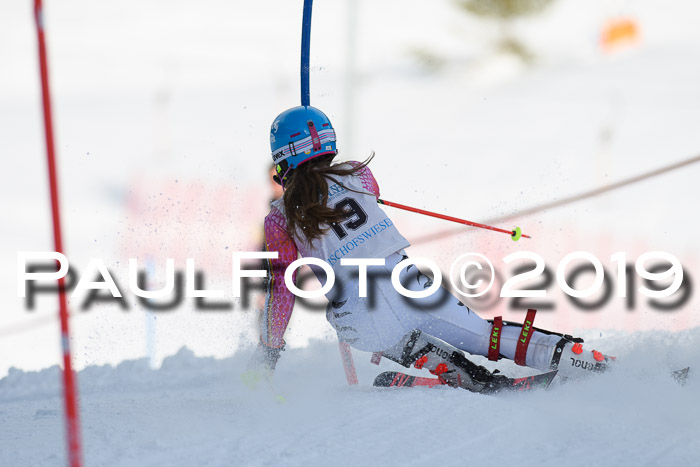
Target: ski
[
  {"x": 540, "y": 381},
  {"x": 389, "y": 379}
]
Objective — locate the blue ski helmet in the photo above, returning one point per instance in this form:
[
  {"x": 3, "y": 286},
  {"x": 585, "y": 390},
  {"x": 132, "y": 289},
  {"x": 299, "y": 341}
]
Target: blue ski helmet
[{"x": 298, "y": 135}]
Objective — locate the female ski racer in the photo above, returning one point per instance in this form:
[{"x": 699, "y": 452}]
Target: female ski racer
[{"x": 329, "y": 211}]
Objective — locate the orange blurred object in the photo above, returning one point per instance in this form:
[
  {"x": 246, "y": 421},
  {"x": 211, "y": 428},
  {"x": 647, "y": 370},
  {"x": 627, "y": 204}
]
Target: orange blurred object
[{"x": 619, "y": 32}]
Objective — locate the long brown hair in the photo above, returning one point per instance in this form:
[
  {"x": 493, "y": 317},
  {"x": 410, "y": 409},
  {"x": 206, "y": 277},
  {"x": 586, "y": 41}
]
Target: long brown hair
[{"x": 306, "y": 196}]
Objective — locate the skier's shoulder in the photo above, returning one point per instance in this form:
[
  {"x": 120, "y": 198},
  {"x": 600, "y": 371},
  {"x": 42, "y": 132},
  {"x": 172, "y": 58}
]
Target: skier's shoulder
[
  {"x": 361, "y": 170},
  {"x": 276, "y": 215},
  {"x": 364, "y": 177},
  {"x": 355, "y": 165}
]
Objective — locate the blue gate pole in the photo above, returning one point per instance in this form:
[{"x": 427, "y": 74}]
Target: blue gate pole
[{"x": 305, "y": 48}]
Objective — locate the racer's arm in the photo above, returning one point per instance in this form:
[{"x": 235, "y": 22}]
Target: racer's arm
[{"x": 279, "y": 303}]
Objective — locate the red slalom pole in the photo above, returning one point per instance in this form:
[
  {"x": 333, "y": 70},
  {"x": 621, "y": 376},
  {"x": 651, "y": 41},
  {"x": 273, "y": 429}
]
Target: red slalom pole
[
  {"x": 69, "y": 383},
  {"x": 515, "y": 234},
  {"x": 348, "y": 362}
]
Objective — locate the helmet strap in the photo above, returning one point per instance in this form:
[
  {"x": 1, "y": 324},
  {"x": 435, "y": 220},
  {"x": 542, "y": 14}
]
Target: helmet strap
[
  {"x": 315, "y": 140},
  {"x": 282, "y": 178}
]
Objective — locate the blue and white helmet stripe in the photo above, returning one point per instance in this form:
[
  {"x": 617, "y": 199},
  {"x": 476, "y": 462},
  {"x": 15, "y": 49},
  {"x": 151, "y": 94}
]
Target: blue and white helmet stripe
[{"x": 304, "y": 146}]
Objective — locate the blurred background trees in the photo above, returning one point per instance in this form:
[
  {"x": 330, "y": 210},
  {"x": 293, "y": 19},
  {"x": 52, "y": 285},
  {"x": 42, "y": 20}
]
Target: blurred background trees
[{"x": 504, "y": 13}]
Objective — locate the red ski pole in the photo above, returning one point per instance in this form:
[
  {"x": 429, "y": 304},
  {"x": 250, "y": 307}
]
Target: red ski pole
[
  {"x": 515, "y": 234},
  {"x": 69, "y": 383}
]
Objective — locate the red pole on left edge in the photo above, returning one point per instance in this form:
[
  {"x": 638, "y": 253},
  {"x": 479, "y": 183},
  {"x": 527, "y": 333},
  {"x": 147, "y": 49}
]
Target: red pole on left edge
[{"x": 69, "y": 383}]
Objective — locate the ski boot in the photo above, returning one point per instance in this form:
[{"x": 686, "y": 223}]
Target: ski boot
[
  {"x": 573, "y": 361},
  {"x": 446, "y": 362}
]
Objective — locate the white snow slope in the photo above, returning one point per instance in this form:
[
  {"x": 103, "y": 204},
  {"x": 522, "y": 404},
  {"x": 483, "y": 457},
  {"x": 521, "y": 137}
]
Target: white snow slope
[{"x": 195, "y": 411}]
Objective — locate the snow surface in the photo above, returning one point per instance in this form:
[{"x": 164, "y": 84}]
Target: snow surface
[
  {"x": 162, "y": 109},
  {"x": 195, "y": 411}
]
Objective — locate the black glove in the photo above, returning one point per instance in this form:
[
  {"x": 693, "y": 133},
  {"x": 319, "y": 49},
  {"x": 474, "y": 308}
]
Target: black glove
[{"x": 265, "y": 358}]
